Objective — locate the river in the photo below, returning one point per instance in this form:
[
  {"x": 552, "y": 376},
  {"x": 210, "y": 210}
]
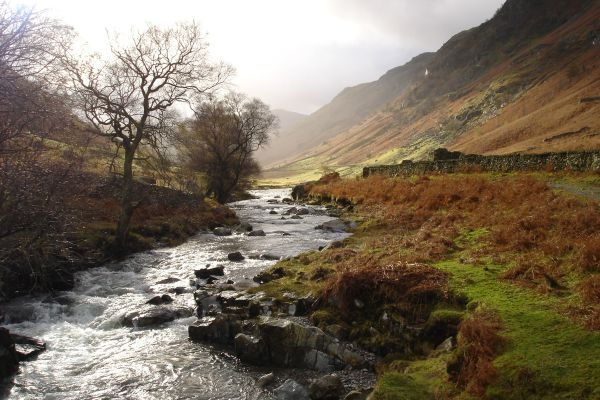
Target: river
[{"x": 90, "y": 356}]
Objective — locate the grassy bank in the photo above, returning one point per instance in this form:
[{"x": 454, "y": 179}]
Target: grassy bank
[{"x": 505, "y": 264}]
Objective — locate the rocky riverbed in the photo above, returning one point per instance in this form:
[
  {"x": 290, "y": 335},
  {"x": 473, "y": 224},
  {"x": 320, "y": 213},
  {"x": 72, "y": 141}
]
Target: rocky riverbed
[{"x": 122, "y": 332}]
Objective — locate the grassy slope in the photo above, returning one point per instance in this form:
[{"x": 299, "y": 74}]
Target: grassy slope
[{"x": 504, "y": 251}]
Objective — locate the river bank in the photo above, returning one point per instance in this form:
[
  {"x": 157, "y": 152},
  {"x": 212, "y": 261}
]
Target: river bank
[
  {"x": 466, "y": 286},
  {"x": 84, "y": 236},
  {"x": 93, "y": 351}
]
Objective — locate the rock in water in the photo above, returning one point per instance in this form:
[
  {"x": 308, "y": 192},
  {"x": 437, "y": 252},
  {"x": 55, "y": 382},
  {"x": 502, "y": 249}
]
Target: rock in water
[
  {"x": 291, "y": 390},
  {"x": 207, "y": 271},
  {"x": 265, "y": 380},
  {"x": 328, "y": 387},
  {"x": 220, "y": 231},
  {"x": 235, "y": 256},
  {"x": 9, "y": 361},
  {"x": 259, "y": 232}
]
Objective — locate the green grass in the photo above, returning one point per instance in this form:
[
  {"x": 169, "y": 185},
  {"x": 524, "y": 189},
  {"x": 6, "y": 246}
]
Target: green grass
[{"x": 548, "y": 355}]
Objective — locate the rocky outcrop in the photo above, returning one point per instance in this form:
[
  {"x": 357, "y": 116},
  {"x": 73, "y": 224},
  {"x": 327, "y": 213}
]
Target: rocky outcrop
[{"x": 277, "y": 341}]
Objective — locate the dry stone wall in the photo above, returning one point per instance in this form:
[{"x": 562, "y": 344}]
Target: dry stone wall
[{"x": 445, "y": 161}]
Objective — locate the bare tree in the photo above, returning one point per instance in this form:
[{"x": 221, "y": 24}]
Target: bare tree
[
  {"x": 225, "y": 134},
  {"x": 30, "y": 45},
  {"x": 129, "y": 99}
]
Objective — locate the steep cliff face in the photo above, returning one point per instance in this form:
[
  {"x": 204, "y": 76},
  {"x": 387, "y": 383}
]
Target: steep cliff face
[{"x": 520, "y": 82}]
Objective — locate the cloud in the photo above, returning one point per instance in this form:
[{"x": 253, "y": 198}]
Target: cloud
[{"x": 294, "y": 54}]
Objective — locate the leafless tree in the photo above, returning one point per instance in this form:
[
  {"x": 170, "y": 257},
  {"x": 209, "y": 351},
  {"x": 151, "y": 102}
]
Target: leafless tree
[
  {"x": 30, "y": 46},
  {"x": 224, "y": 135},
  {"x": 129, "y": 99}
]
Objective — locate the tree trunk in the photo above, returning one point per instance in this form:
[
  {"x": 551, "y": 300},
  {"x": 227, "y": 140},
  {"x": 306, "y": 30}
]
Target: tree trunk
[{"x": 127, "y": 205}]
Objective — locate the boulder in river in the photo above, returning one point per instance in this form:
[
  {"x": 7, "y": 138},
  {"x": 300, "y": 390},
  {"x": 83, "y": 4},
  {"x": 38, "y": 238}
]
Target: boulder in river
[
  {"x": 204, "y": 273},
  {"x": 155, "y": 316},
  {"x": 258, "y": 232},
  {"x": 221, "y": 328},
  {"x": 328, "y": 387},
  {"x": 335, "y": 225},
  {"x": 27, "y": 347},
  {"x": 291, "y": 390},
  {"x": 265, "y": 380},
  {"x": 221, "y": 231},
  {"x": 236, "y": 256},
  {"x": 163, "y": 299}
]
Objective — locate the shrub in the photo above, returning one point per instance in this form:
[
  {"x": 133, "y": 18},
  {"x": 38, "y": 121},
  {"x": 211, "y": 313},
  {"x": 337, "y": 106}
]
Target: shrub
[{"x": 479, "y": 342}]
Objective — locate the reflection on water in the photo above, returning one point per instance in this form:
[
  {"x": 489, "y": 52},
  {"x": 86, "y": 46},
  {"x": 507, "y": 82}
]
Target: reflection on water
[{"x": 91, "y": 356}]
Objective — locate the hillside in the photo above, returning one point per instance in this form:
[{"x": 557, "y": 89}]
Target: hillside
[
  {"x": 282, "y": 139},
  {"x": 524, "y": 81}
]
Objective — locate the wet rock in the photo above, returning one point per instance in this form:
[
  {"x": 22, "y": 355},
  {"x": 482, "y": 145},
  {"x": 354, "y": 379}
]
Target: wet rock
[
  {"x": 273, "y": 212},
  {"x": 220, "y": 231},
  {"x": 290, "y": 211},
  {"x": 163, "y": 299},
  {"x": 265, "y": 380},
  {"x": 358, "y": 394},
  {"x": 236, "y": 256},
  {"x": 328, "y": 387},
  {"x": 167, "y": 280},
  {"x": 221, "y": 328},
  {"x": 179, "y": 290},
  {"x": 27, "y": 348},
  {"x": 335, "y": 225},
  {"x": 291, "y": 390},
  {"x": 303, "y": 211},
  {"x": 270, "y": 257},
  {"x": 259, "y": 232},
  {"x": 294, "y": 345},
  {"x": 296, "y": 217},
  {"x": 207, "y": 271},
  {"x": 287, "y": 200},
  {"x": 244, "y": 227},
  {"x": 155, "y": 316},
  {"x": 9, "y": 359},
  {"x": 251, "y": 349}
]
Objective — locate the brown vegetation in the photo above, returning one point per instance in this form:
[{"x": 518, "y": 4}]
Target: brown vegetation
[
  {"x": 479, "y": 342},
  {"x": 415, "y": 288}
]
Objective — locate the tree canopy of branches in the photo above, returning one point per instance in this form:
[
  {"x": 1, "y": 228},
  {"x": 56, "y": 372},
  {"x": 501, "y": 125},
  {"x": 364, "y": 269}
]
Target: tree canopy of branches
[
  {"x": 129, "y": 99},
  {"x": 225, "y": 134},
  {"x": 30, "y": 46},
  {"x": 31, "y": 107}
]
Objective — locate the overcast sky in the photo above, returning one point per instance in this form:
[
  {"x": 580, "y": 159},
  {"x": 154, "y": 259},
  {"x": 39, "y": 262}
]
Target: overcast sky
[{"x": 293, "y": 54}]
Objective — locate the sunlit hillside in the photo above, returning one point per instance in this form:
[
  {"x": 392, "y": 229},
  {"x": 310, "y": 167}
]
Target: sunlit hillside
[{"x": 524, "y": 81}]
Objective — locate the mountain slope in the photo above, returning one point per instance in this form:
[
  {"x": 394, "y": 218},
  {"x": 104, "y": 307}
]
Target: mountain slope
[
  {"x": 282, "y": 140},
  {"x": 351, "y": 106},
  {"x": 515, "y": 83}
]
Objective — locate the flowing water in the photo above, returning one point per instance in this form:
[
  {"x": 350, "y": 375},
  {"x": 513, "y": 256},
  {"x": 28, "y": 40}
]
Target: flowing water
[{"x": 90, "y": 356}]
